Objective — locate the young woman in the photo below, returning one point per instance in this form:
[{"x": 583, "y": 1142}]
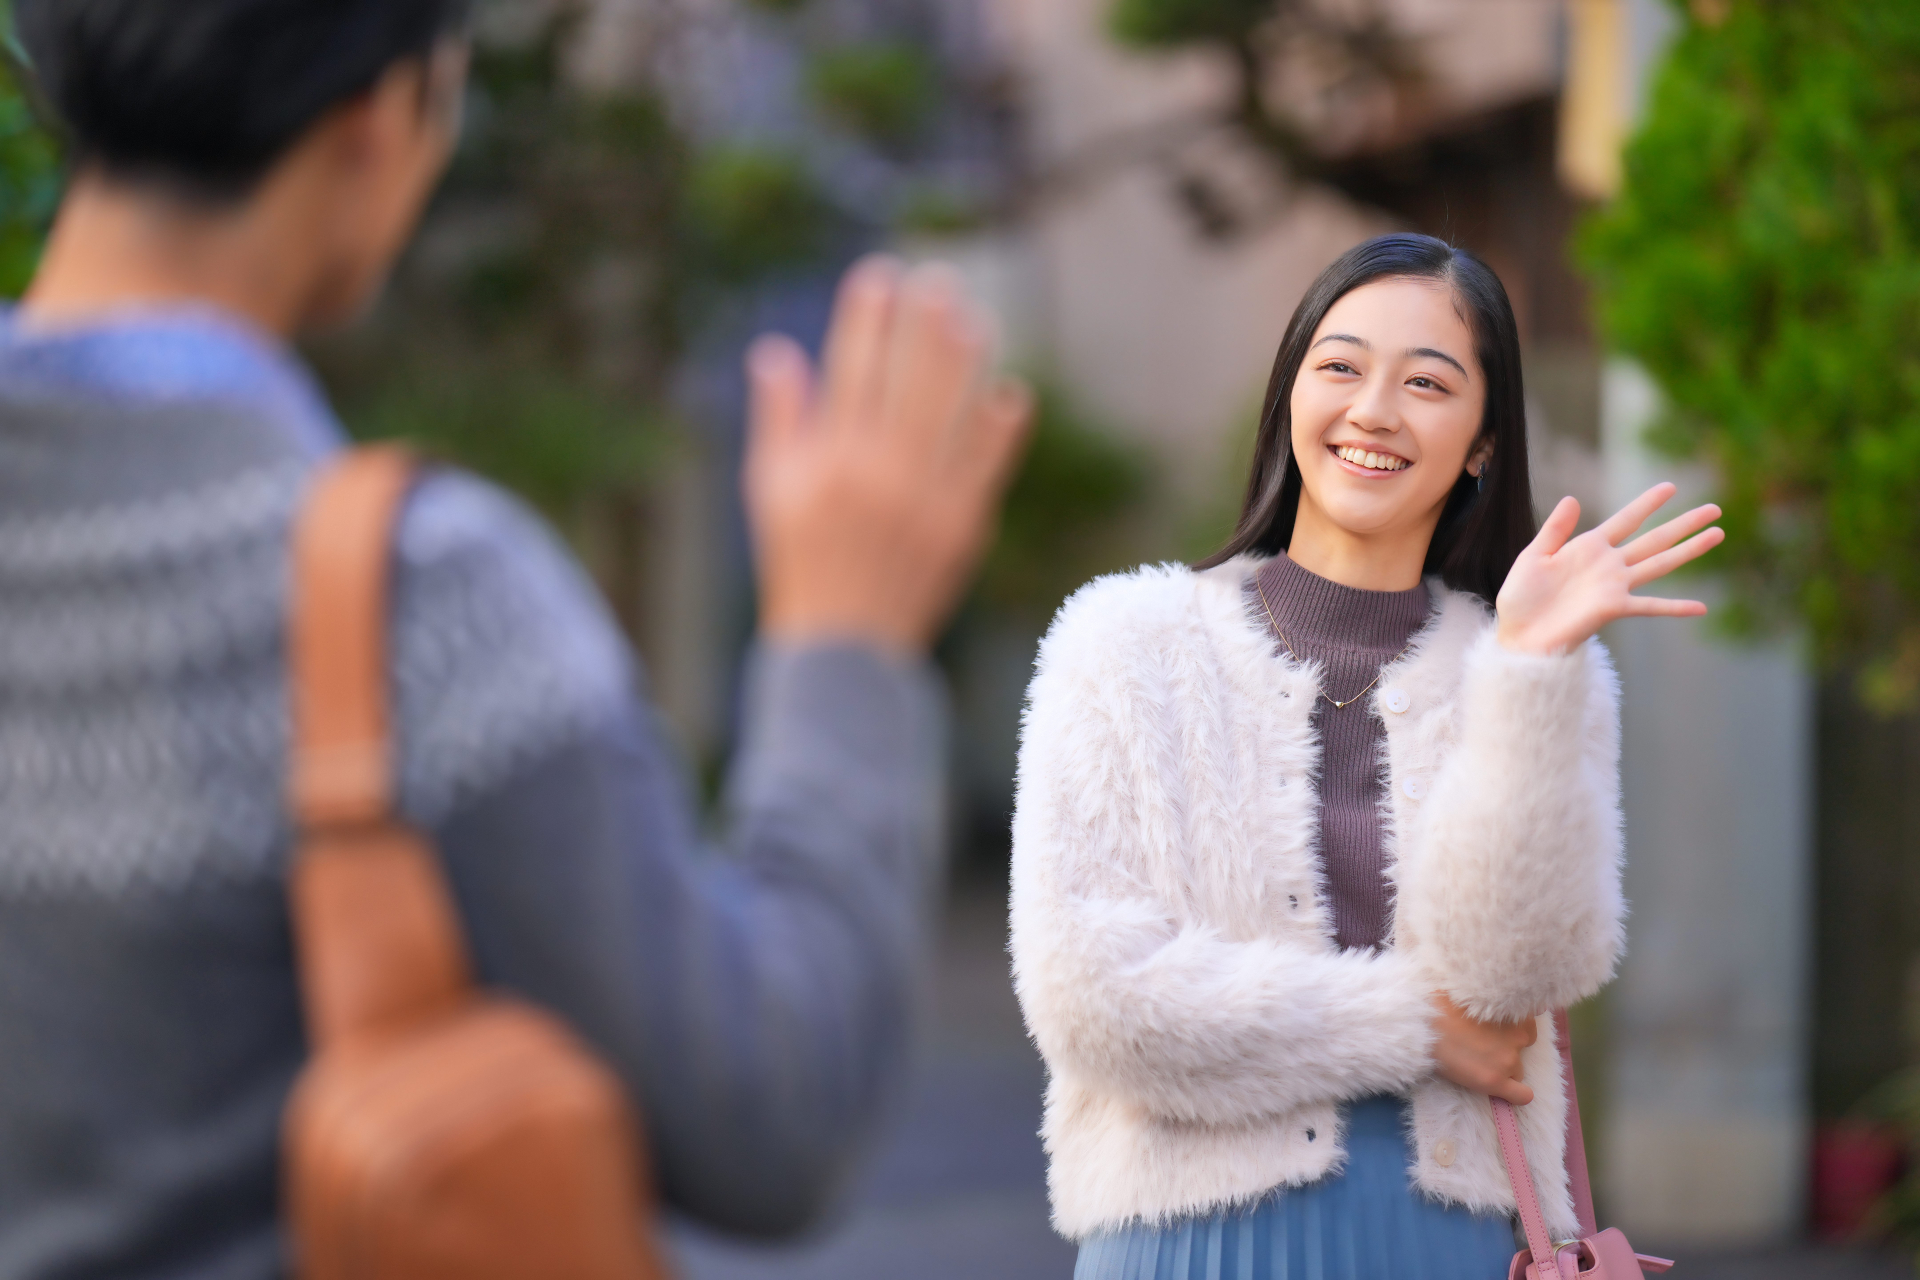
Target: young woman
[{"x": 1309, "y": 838}]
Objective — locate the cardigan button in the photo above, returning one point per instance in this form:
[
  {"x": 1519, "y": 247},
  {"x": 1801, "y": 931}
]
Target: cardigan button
[
  {"x": 1396, "y": 701},
  {"x": 1413, "y": 787},
  {"x": 1443, "y": 1154}
]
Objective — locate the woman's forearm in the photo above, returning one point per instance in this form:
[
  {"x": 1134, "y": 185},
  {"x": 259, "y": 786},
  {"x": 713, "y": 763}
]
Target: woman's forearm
[
  {"x": 1192, "y": 1027},
  {"x": 1514, "y": 892}
]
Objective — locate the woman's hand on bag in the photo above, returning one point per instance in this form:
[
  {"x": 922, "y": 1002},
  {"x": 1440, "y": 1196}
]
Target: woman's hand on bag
[
  {"x": 1563, "y": 589},
  {"x": 871, "y": 490},
  {"x": 1481, "y": 1056}
]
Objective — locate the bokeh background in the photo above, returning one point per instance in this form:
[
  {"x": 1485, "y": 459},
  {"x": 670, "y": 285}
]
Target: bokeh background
[{"x": 1708, "y": 217}]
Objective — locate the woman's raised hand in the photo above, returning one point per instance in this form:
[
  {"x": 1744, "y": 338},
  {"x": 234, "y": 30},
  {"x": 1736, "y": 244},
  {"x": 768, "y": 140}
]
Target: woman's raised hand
[{"x": 1563, "y": 589}]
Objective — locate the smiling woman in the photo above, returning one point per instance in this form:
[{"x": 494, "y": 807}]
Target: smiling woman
[
  {"x": 1310, "y": 840},
  {"x": 1448, "y": 352}
]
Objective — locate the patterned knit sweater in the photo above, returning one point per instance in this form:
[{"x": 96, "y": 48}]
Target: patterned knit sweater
[{"x": 756, "y": 1002}]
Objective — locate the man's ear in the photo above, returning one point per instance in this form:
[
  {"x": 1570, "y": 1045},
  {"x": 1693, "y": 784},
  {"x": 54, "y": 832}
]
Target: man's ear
[{"x": 357, "y": 131}]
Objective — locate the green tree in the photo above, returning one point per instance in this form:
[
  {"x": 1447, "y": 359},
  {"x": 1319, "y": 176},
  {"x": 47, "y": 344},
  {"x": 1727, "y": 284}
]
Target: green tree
[
  {"x": 535, "y": 329},
  {"x": 882, "y": 91},
  {"x": 29, "y": 169},
  {"x": 1359, "y": 51},
  {"x": 1763, "y": 263}
]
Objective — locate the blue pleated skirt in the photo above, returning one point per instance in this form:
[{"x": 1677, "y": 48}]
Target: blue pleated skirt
[{"x": 1367, "y": 1222}]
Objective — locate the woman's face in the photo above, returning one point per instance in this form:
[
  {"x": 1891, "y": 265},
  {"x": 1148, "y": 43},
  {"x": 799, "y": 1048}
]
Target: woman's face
[{"x": 1386, "y": 410}]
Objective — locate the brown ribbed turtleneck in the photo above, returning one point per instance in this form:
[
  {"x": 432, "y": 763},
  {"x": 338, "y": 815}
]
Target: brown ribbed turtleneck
[{"x": 1351, "y": 634}]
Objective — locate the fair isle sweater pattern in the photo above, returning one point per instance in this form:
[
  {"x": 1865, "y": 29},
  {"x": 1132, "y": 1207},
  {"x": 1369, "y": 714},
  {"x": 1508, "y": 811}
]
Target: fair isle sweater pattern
[{"x": 140, "y": 668}]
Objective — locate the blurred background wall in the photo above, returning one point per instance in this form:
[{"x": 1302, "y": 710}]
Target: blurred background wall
[{"x": 1706, "y": 214}]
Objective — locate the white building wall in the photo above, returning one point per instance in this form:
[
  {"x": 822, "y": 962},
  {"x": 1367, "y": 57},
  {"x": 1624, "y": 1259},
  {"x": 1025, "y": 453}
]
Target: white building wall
[
  {"x": 1706, "y": 1131},
  {"x": 1161, "y": 331}
]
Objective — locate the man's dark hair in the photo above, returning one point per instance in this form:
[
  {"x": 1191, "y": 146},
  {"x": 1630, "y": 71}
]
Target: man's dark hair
[
  {"x": 1484, "y": 526},
  {"x": 207, "y": 94}
]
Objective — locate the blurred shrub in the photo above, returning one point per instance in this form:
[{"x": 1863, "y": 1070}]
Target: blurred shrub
[
  {"x": 934, "y": 211},
  {"x": 1896, "y": 1104},
  {"x": 754, "y": 211},
  {"x": 551, "y": 242},
  {"x": 29, "y": 170},
  {"x": 552, "y": 439},
  {"x": 1159, "y": 23},
  {"x": 1763, "y": 263},
  {"x": 883, "y": 91},
  {"x": 537, "y": 325},
  {"x": 1066, "y": 512}
]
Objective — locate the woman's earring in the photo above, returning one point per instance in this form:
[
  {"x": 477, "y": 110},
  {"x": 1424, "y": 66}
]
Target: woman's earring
[{"x": 1480, "y": 478}]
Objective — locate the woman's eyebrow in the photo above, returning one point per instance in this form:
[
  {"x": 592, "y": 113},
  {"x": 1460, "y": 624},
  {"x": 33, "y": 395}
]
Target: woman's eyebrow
[
  {"x": 1343, "y": 337},
  {"x": 1438, "y": 355}
]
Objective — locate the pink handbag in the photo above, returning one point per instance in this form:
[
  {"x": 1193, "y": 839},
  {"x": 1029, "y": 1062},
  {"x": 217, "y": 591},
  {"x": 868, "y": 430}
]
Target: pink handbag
[{"x": 1598, "y": 1255}]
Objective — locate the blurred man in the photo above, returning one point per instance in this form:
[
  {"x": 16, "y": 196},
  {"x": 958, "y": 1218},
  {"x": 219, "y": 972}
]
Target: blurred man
[{"x": 246, "y": 170}]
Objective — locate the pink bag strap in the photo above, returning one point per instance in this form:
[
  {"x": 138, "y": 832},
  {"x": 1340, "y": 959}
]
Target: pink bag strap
[
  {"x": 1566, "y": 1262},
  {"x": 1577, "y": 1177},
  {"x": 1534, "y": 1222}
]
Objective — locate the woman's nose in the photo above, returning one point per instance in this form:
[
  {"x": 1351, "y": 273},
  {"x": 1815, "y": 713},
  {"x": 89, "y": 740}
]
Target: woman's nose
[{"x": 1372, "y": 409}]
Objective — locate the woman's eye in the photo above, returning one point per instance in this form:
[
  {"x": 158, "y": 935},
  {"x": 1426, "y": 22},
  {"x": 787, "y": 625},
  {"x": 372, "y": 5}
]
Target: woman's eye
[
  {"x": 1337, "y": 366},
  {"x": 1426, "y": 383}
]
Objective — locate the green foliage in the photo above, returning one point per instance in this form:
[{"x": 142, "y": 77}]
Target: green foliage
[
  {"x": 754, "y": 211},
  {"x": 1894, "y": 1109},
  {"x": 531, "y": 331},
  {"x": 1153, "y": 24},
  {"x": 1065, "y": 512},
  {"x": 1763, "y": 262},
  {"x": 534, "y": 331},
  {"x": 29, "y": 174},
  {"x": 932, "y": 211},
  {"x": 554, "y": 440},
  {"x": 883, "y": 91}
]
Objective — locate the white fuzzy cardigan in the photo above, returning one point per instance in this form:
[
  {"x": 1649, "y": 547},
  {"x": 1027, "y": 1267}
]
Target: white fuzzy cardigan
[{"x": 1172, "y": 945}]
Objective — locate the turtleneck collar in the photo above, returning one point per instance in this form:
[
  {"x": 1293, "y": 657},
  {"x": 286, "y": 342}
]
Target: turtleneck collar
[{"x": 1314, "y": 612}]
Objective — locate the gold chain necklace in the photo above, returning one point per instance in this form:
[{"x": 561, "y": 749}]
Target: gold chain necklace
[{"x": 1337, "y": 705}]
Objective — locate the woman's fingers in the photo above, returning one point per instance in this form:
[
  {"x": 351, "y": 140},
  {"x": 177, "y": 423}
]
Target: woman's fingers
[
  {"x": 1661, "y": 607},
  {"x": 1619, "y": 526},
  {"x": 1558, "y": 526},
  {"x": 853, "y": 365},
  {"x": 1667, "y": 561},
  {"x": 1654, "y": 541},
  {"x": 1514, "y": 1091}
]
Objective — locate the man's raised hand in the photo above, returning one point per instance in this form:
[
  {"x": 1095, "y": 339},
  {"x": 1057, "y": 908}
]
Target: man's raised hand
[{"x": 871, "y": 488}]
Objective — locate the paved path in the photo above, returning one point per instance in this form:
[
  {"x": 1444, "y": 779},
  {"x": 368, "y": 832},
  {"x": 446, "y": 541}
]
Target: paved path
[{"x": 959, "y": 1190}]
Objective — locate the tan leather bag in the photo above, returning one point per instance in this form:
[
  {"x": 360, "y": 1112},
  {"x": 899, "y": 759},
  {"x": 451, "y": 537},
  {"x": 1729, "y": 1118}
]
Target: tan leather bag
[{"x": 438, "y": 1133}]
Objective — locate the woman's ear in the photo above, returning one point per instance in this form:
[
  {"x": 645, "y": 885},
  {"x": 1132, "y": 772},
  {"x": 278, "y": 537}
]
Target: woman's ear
[{"x": 1479, "y": 456}]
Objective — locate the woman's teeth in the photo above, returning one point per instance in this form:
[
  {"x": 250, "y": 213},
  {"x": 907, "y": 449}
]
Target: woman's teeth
[{"x": 1372, "y": 461}]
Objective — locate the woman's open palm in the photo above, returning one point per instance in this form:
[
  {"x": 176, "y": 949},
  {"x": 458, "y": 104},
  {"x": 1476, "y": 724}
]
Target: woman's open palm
[{"x": 1563, "y": 589}]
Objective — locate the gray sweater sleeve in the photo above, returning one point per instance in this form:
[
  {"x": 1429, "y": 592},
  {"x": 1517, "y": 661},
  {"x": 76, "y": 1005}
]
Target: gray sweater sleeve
[{"x": 757, "y": 997}]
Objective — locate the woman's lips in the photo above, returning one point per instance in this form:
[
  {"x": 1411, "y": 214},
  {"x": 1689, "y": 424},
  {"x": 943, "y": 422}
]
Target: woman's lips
[{"x": 1371, "y": 463}]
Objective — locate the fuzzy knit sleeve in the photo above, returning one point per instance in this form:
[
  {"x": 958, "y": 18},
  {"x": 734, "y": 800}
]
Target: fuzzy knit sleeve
[
  {"x": 1126, "y": 986},
  {"x": 1515, "y": 898}
]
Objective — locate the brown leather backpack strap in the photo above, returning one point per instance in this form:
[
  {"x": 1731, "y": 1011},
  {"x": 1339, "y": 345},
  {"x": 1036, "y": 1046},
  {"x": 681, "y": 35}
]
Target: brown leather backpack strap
[
  {"x": 377, "y": 936},
  {"x": 342, "y": 753}
]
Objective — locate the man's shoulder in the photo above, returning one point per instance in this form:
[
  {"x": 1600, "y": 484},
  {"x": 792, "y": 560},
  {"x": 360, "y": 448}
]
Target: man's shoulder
[{"x": 502, "y": 647}]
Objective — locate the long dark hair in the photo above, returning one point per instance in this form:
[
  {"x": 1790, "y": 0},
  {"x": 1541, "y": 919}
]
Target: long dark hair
[{"x": 1481, "y": 530}]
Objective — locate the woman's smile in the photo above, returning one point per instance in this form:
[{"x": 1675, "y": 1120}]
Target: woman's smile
[{"x": 1371, "y": 463}]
